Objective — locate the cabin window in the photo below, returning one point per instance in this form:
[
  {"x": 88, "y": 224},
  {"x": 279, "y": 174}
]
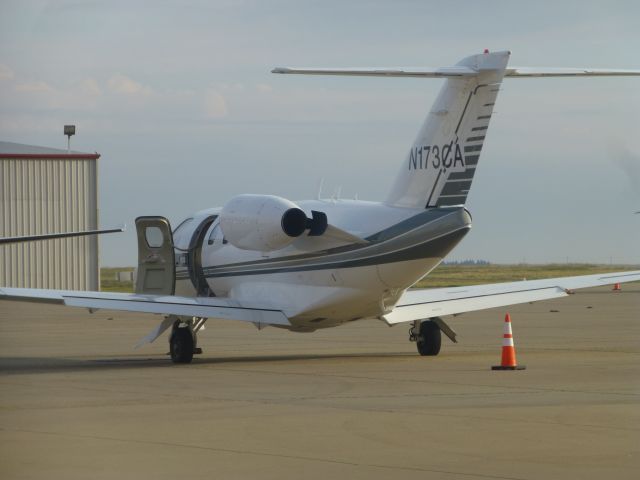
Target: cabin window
[
  {"x": 182, "y": 231},
  {"x": 154, "y": 237},
  {"x": 184, "y": 223}
]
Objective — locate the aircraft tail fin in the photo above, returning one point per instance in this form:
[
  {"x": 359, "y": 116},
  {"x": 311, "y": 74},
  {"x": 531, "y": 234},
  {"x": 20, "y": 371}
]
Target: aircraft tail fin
[{"x": 441, "y": 162}]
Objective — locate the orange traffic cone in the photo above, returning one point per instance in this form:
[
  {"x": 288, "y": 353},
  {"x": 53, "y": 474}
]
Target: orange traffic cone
[
  {"x": 616, "y": 288},
  {"x": 508, "y": 350}
]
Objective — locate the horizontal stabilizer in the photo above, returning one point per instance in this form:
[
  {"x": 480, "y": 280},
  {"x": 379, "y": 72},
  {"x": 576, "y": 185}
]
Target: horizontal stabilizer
[
  {"x": 533, "y": 72},
  {"x": 458, "y": 72},
  {"x": 424, "y": 72}
]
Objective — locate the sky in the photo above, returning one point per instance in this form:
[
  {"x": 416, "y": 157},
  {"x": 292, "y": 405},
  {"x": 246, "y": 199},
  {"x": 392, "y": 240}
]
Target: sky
[{"x": 178, "y": 99}]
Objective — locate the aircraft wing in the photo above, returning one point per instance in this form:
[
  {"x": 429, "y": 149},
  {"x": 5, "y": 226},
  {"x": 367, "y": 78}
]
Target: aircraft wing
[
  {"x": 208, "y": 307},
  {"x": 48, "y": 236},
  {"x": 435, "y": 302}
]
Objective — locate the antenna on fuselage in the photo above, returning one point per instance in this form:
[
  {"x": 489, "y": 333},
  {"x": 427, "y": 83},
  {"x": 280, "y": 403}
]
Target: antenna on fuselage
[
  {"x": 336, "y": 194},
  {"x": 320, "y": 184}
]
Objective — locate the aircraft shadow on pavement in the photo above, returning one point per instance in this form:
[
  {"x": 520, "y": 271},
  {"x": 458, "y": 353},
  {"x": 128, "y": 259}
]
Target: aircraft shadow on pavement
[{"x": 35, "y": 365}]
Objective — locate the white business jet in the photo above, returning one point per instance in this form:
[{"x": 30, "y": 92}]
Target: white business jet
[{"x": 321, "y": 263}]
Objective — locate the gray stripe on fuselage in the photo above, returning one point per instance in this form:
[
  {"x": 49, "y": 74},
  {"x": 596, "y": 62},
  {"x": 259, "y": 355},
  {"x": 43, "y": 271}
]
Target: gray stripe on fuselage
[
  {"x": 421, "y": 220},
  {"x": 434, "y": 248}
]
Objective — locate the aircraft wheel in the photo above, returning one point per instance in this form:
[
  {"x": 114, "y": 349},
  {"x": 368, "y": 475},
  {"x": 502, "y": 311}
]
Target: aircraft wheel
[
  {"x": 430, "y": 339},
  {"x": 181, "y": 346}
]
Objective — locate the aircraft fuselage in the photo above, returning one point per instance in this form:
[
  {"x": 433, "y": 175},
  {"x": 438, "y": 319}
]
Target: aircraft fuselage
[{"x": 322, "y": 282}]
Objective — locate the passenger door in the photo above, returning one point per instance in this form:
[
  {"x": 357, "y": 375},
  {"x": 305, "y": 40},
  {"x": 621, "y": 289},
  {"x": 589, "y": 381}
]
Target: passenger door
[
  {"x": 194, "y": 258},
  {"x": 156, "y": 260}
]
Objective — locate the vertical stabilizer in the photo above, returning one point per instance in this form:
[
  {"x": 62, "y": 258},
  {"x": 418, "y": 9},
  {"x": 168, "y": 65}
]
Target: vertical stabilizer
[{"x": 440, "y": 164}]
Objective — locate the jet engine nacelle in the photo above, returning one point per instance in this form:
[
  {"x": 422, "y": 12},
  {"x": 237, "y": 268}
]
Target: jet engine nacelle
[{"x": 266, "y": 222}]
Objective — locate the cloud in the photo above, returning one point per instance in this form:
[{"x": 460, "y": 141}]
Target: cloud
[
  {"x": 231, "y": 87},
  {"x": 119, "y": 83},
  {"x": 82, "y": 95},
  {"x": 89, "y": 87},
  {"x": 215, "y": 106},
  {"x": 5, "y": 72},
  {"x": 21, "y": 124},
  {"x": 264, "y": 88},
  {"x": 34, "y": 87}
]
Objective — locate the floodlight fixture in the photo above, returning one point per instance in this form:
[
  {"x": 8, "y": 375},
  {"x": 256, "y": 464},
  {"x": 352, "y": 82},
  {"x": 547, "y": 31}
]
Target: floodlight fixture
[{"x": 69, "y": 130}]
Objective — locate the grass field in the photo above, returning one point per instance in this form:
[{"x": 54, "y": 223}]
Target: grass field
[
  {"x": 108, "y": 282},
  {"x": 457, "y": 275},
  {"x": 444, "y": 275}
]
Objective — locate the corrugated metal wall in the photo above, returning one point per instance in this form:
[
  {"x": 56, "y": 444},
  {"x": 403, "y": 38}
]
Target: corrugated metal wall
[{"x": 49, "y": 196}]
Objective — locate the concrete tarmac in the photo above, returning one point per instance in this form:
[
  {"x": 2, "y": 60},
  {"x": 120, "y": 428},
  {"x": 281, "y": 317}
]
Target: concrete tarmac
[{"x": 76, "y": 402}]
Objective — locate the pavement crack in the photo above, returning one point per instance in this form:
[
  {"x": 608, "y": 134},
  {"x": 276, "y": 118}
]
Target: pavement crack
[{"x": 265, "y": 454}]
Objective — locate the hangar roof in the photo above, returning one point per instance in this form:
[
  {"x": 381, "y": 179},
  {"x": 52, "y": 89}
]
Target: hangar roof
[{"x": 20, "y": 150}]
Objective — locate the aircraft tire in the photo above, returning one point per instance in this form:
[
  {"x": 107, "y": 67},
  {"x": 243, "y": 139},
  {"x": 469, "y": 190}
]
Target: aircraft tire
[
  {"x": 430, "y": 339},
  {"x": 181, "y": 346}
]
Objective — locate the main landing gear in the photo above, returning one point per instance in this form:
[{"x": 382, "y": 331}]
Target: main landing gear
[
  {"x": 183, "y": 340},
  {"x": 428, "y": 335}
]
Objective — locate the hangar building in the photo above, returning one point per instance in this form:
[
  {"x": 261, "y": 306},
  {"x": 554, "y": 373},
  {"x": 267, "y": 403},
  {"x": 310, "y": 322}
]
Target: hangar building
[{"x": 47, "y": 190}]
